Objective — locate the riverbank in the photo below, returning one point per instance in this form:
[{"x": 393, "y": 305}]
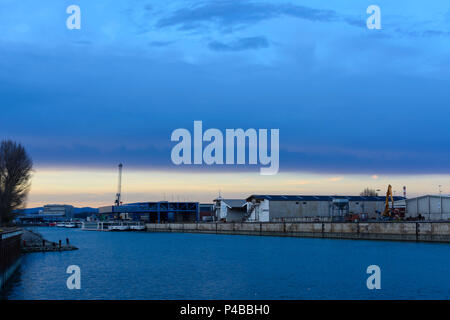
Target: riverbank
[
  {"x": 398, "y": 231},
  {"x": 34, "y": 242}
]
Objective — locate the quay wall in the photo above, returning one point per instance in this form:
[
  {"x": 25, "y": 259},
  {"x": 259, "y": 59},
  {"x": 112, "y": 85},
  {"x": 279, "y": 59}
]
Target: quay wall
[
  {"x": 10, "y": 253},
  {"x": 401, "y": 231}
]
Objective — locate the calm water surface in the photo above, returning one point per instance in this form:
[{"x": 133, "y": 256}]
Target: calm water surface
[{"x": 134, "y": 265}]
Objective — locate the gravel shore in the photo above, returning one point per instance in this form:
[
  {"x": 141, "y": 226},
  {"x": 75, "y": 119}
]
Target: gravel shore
[{"x": 34, "y": 242}]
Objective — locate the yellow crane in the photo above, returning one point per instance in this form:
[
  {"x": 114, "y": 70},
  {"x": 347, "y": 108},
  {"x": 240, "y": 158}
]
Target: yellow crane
[{"x": 387, "y": 211}]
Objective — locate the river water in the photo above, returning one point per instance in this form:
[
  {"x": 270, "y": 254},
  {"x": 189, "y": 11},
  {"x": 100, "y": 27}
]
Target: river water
[{"x": 140, "y": 265}]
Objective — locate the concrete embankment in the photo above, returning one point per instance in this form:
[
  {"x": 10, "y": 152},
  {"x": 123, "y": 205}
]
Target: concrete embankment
[
  {"x": 400, "y": 231},
  {"x": 34, "y": 242},
  {"x": 9, "y": 253}
]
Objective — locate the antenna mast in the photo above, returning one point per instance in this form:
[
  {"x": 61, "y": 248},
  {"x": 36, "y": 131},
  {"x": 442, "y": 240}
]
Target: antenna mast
[{"x": 119, "y": 188}]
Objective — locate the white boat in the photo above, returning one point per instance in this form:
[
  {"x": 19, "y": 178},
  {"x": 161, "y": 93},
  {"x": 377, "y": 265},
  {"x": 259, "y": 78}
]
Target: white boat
[
  {"x": 111, "y": 226},
  {"x": 137, "y": 228},
  {"x": 118, "y": 228},
  {"x": 62, "y": 225},
  {"x": 70, "y": 225},
  {"x": 95, "y": 226}
]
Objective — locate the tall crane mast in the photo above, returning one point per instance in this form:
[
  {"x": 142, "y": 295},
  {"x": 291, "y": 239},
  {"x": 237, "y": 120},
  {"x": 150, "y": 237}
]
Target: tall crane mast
[
  {"x": 387, "y": 211},
  {"x": 119, "y": 188}
]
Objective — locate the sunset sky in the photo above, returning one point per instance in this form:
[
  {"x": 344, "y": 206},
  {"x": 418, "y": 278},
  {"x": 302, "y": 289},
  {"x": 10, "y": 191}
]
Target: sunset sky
[
  {"x": 355, "y": 107},
  {"x": 97, "y": 187}
]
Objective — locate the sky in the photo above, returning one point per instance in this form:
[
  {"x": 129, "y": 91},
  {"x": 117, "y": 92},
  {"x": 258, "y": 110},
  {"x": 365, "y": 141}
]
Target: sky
[{"x": 355, "y": 107}]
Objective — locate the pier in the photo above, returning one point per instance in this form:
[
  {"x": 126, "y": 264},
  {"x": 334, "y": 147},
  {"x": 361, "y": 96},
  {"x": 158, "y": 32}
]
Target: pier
[{"x": 397, "y": 231}]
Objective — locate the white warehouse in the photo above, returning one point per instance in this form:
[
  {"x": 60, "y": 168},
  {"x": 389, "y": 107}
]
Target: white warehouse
[
  {"x": 265, "y": 208},
  {"x": 430, "y": 207}
]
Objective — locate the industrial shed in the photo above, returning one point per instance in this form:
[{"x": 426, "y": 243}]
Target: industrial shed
[
  {"x": 430, "y": 207},
  {"x": 230, "y": 210},
  {"x": 304, "y": 207},
  {"x": 161, "y": 211}
]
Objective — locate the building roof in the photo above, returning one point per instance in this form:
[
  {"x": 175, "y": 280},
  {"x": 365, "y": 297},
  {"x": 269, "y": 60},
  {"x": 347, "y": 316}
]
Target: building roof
[
  {"x": 430, "y": 196},
  {"x": 155, "y": 202},
  {"x": 318, "y": 198},
  {"x": 233, "y": 203}
]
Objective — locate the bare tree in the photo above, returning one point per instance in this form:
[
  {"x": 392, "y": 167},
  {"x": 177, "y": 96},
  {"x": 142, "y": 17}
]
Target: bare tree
[
  {"x": 367, "y": 192},
  {"x": 15, "y": 175}
]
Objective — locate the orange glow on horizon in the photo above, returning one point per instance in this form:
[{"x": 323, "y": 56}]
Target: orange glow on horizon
[{"x": 81, "y": 187}]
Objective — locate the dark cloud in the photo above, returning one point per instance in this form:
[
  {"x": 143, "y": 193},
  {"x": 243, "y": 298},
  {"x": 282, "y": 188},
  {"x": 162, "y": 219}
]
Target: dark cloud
[
  {"x": 349, "y": 105},
  {"x": 326, "y": 159},
  {"x": 232, "y": 15},
  {"x": 425, "y": 33},
  {"x": 160, "y": 43},
  {"x": 75, "y": 109},
  {"x": 227, "y": 13},
  {"x": 419, "y": 29},
  {"x": 83, "y": 42},
  {"x": 240, "y": 44},
  {"x": 360, "y": 23}
]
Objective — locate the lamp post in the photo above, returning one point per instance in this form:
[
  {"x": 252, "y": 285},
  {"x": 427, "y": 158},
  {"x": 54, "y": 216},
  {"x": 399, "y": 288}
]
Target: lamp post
[{"x": 440, "y": 201}]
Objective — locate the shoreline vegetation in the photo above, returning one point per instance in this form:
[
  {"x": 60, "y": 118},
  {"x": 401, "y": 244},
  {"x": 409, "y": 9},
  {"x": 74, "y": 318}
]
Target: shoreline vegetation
[{"x": 34, "y": 242}]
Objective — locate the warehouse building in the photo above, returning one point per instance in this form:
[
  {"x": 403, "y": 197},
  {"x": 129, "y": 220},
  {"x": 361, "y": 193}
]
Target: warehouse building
[
  {"x": 265, "y": 208},
  {"x": 206, "y": 212},
  {"x": 155, "y": 212},
  {"x": 58, "y": 210},
  {"x": 229, "y": 210},
  {"x": 429, "y": 207}
]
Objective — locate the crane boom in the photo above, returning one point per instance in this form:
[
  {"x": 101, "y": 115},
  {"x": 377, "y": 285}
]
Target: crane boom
[
  {"x": 387, "y": 211},
  {"x": 119, "y": 187}
]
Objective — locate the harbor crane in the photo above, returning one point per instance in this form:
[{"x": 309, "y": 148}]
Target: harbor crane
[
  {"x": 387, "y": 212},
  {"x": 119, "y": 188}
]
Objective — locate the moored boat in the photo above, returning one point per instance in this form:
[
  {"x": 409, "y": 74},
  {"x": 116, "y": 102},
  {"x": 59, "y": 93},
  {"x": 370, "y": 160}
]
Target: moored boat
[
  {"x": 119, "y": 228},
  {"x": 137, "y": 228},
  {"x": 70, "y": 225},
  {"x": 112, "y": 226}
]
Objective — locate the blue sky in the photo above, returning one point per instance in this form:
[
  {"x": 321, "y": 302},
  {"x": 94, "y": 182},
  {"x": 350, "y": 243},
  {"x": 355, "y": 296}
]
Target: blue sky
[{"x": 346, "y": 99}]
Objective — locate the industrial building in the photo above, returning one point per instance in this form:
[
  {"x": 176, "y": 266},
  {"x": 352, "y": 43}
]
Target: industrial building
[
  {"x": 58, "y": 210},
  {"x": 206, "y": 212},
  {"x": 161, "y": 211},
  {"x": 266, "y": 208},
  {"x": 230, "y": 210},
  {"x": 430, "y": 207},
  {"x": 49, "y": 213}
]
